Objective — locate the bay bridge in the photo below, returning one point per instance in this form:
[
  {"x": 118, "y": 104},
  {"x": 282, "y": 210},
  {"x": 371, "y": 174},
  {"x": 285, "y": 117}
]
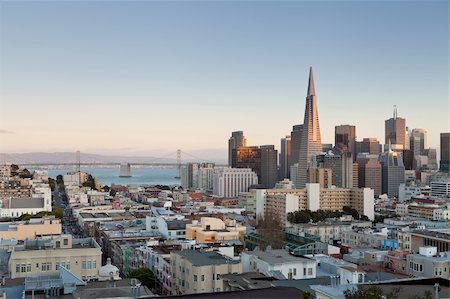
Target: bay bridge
[{"x": 145, "y": 161}]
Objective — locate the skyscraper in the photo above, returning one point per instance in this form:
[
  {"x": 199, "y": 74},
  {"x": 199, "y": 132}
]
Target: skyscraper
[
  {"x": 236, "y": 140},
  {"x": 392, "y": 171},
  {"x": 369, "y": 145},
  {"x": 285, "y": 157},
  {"x": 418, "y": 141},
  {"x": 268, "y": 166},
  {"x": 395, "y": 131},
  {"x": 262, "y": 160},
  {"x": 445, "y": 152},
  {"x": 345, "y": 136},
  {"x": 296, "y": 138},
  {"x": 311, "y": 143}
]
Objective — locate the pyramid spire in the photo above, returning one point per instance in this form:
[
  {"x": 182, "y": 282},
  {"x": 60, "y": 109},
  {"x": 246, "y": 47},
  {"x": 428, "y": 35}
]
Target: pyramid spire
[{"x": 311, "y": 89}]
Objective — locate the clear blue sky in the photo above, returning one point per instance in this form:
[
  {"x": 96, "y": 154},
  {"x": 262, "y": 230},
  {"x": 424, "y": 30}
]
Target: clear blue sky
[{"x": 148, "y": 77}]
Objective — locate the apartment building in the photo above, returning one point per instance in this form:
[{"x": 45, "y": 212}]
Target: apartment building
[
  {"x": 439, "y": 238},
  {"x": 196, "y": 271},
  {"x": 212, "y": 230},
  {"x": 26, "y": 230},
  {"x": 364, "y": 238},
  {"x": 279, "y": 202},
  {"x": 428, "y": 263},
  {"x": 81, "y": 256},
  {"x": 278, "y": 263},
  {"x": 328, "y": 231},
  {"x": 247, "y": 200}
]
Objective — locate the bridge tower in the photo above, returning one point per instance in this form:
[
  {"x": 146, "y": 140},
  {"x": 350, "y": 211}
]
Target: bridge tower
[{"x": 178, "y": 176}]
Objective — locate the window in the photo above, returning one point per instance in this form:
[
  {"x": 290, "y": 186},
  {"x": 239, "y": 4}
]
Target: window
[
  {"x": 83, "y": 265},
  {"x": 304, "y": 271},
  {"x": 195, "y": 277},
  {"x": 89, "y": 265},
  {"x": 66, "y": 241},
  {"x": 420, "y": 267},
  {"x": 46, "y": 266},
  {"x": 213, "y": 276},
  {"x": 58, "y": 244},
  {"x": 217, "y": 276},
  {"x": 28, "y": 267},
  {"x": 17, "y": 268},
  {"x": 310, "y": 271},
  {"x": 295, "y": 271},
  {"x": 203, "y": 277},
  {"x": 94, "y": 265}
]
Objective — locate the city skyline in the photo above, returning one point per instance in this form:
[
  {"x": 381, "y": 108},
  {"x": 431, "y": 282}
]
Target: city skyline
[{"x": 100, "y": 87}]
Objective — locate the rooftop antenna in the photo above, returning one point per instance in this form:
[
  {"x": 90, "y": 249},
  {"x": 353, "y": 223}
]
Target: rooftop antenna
[{"x": 395, "y": 111}]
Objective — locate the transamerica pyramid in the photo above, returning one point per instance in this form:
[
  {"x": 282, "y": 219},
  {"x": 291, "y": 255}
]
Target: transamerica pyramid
[{"x": 310, "y": 144}]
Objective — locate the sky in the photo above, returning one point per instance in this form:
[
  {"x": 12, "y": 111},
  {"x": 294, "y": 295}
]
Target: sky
[{"x": 149, "y": 77}]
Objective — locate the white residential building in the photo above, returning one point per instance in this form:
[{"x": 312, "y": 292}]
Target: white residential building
[
  {"x": 273, "y": 262},
  {"x": 229, "y": 182}
]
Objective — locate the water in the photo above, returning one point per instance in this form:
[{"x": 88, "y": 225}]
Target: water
[{"x": 140, "y": 175}]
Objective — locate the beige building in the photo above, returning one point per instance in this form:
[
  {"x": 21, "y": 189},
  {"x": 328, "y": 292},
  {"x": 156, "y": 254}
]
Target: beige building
[
  {"x": 279, "y": 202},
  {"x": 199, "y": 271},
  {"x": 322, "y": 176},
  {"x": 436, "y": 238},
  {"x": 212, "y": 230},
  {"x": 28, "y": 230},
  {"x": 247, "y": 200},
  {"x": 81, "y": 256}
]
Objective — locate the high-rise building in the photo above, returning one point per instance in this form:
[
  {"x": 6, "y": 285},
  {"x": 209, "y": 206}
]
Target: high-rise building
[
  {"x": 445, "y": 152},
  {"x": 321, "y": 176},
  {"x": 262, "y": 160},
  {"x": 418, "y": 141},
  {"x": 197, "y": 176},
  {"x": 369, "y": 172},
  {"x": 285, "y": 157},
  {"x": 369, "y": 145},
  {"x": 395, "y": 131},
  {"x": 345, "y": 137},
  {"x": 269, "y": 165},
  {"x": 236, "y": 140},
  {"x": 229, "y": 182},
  {"x": 296, "y": 138},
  {"x": 432, "y": 159},
  {"x": 393, "y": 172},
  {"x": 311, "y": 143},
  {"x": 408, "y": 159}
]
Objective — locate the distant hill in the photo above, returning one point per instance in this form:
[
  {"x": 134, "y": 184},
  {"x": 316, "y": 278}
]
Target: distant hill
[{"x": 70, "y": 157}]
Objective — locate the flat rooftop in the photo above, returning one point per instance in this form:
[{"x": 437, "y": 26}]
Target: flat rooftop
[
  {"x": 278, "y": 256},
  {"x": 205, "y": 258}
]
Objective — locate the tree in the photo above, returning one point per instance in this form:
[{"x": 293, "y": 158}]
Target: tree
[
  {"x": 367, "y": 292},
  {"x": 52, "y": 184},
  {"x": 25, "y": 217},
  {"x": 90, "y": 182},
  {"x": 270, "y": 231},
  {"x": 145, "y": 276},
  {"x": 59, "y": 179},
  {"x": 350, "y": 211},
  {"x": 58, "y": 212}
]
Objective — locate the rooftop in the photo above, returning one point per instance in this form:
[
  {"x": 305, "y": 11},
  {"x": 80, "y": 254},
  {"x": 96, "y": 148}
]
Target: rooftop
[
  {"x": 26, "y": 203},
  {"x": 204, "y": 258},
  {"x": 277, "y": 256}
]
